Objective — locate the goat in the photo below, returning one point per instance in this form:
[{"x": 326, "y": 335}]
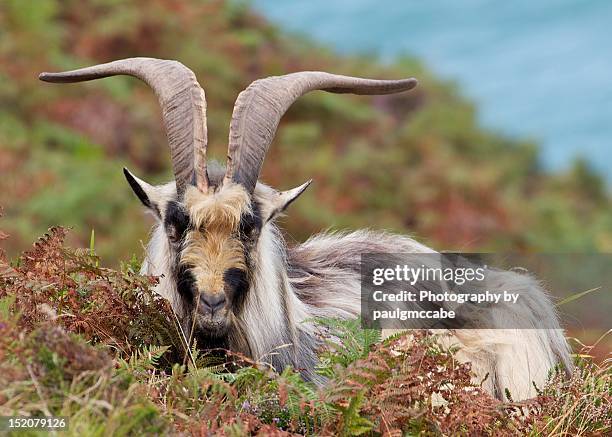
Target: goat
[{"x": 226, "y": 269}]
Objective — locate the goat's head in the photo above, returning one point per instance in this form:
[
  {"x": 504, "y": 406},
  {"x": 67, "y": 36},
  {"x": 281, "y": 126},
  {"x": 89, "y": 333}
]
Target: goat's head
[{"x": 213, "y": 222}]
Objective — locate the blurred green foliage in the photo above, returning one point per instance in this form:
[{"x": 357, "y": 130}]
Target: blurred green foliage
[{"x": 417, "y": 162}]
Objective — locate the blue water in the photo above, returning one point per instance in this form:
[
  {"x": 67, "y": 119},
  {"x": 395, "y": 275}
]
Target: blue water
[{"x": 537, "y": 69}]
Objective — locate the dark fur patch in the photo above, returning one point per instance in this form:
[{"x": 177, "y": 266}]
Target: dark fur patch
[
  {"x": 250, "y": 224},
  {"x": 237, "y": 285},
  {"x": 215, "y": 346},
  {"x": 249, "y": 229},
  {"x": 176, "y": 221},
  {"x": 184, "y": 284},
  {"x": 248, "y": 232}
]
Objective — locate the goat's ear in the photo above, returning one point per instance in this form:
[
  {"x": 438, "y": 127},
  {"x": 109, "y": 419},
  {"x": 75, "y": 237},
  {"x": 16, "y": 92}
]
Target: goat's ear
[
  {"x": 148, "y": 194},
  {"x": 280, "y": 200}
]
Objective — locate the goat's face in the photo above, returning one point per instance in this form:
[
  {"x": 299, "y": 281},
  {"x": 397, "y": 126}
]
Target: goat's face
[
  {"x": 212, "y": 244},
  {"x": 211, "y": 235}
]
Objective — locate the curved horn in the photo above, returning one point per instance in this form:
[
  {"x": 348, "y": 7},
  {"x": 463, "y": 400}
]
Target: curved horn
[
  {"x": 259, "y": 108},
  {"x": 183, "y": 106}
]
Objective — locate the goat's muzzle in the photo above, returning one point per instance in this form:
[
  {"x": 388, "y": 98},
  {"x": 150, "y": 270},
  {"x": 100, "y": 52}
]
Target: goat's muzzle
[
  {"x": 212, "y": 303},
  {"x": 213, "y": 314}
]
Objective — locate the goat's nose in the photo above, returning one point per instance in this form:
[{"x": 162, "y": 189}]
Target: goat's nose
[{"x": 212, "y": 302}]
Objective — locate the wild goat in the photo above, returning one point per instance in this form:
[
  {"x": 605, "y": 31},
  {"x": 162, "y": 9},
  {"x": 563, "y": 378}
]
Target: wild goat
[{"x": 226, "y": 269}]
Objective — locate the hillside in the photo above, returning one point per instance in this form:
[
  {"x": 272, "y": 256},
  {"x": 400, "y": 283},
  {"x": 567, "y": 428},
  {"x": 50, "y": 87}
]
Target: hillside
[{"x": 417, "y": 162}]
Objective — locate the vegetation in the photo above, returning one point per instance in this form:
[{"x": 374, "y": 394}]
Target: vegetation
[
  {"x": 96, "y": 346},
  {"x": 92, "y": 343}
]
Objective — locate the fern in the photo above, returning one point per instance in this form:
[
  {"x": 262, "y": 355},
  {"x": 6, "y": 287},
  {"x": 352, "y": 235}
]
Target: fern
[
  {"x": 144, "y": 359},
  {"x": 353, "y": 423},
  {"x": 347, "y": 342}
]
